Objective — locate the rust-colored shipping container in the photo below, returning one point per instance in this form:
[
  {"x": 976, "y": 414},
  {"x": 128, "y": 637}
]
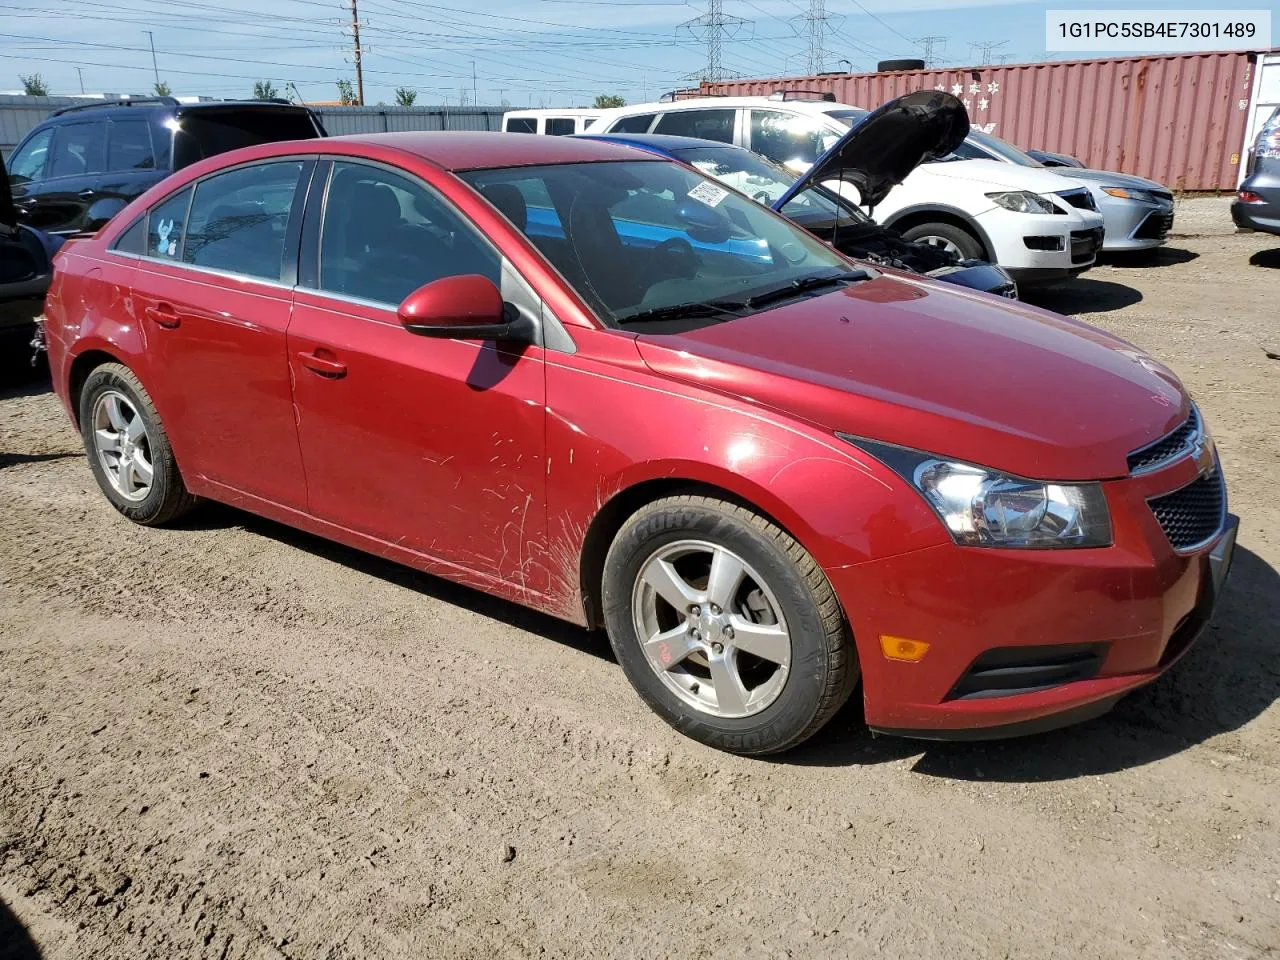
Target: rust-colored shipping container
[{"x": 1176, "y": 119}]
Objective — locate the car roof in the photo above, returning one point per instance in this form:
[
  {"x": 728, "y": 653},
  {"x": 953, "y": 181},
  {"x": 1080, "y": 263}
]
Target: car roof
[
  {"x": 147, "y": 106},
  {"x": 710, "y": 103},
  {"x": 463, "y": 150}
]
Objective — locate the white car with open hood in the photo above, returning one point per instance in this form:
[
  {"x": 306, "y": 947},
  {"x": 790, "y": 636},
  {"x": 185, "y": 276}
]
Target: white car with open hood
[{"x": 1034, "y": 223}]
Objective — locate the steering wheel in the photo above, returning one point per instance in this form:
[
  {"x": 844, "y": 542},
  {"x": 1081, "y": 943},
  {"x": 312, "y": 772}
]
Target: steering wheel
[
  {"x": 676, "y": 256},
  {"x": 763, "y": 197}
]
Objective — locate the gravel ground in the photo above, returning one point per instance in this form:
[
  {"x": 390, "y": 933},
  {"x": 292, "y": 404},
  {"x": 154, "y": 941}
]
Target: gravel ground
[{"x": 233, "y": 740}]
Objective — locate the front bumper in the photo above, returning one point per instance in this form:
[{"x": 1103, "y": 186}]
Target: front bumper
[
  {"x": 1040, "y": 248},
  {"x": 1137, "y": 606},
  {"x": 1135, "y": 225}
]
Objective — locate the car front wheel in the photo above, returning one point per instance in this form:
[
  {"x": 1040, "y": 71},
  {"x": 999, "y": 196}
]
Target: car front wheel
[{"x": 725, "y": 625}]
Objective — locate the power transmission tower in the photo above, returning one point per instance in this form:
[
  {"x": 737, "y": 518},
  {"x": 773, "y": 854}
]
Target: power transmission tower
[
  {"x": 1004, "y": 58},
  {"x": 355, "y": 36},
  {"x": 930, "y": 44},
  {"x": 986, "y": 46},
  {"x": 713, "y": 27},
  {"x": 816, "y": 29}
]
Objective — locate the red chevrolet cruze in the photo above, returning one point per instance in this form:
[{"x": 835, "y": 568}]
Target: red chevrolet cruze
[{"x": 595, "y": 382}]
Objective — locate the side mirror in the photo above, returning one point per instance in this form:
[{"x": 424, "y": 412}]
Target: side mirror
[
  {"x": 100, "y": 213},
  {"x": 467, "y": 307}
]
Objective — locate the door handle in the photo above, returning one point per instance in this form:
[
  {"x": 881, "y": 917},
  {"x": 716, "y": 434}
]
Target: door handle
[
  {"x": 330, "y": 369},
  {"x": 162, "y": 315},
  {"x": 85, "y": 194}
]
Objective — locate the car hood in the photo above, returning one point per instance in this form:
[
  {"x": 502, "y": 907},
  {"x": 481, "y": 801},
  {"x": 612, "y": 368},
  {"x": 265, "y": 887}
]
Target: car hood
[
  {"x": 1113, "y": 179},
  {"x": 913, "y": 363},
  {"x": 888, "y": 143},
  {"x": 1002, "y": 176}
]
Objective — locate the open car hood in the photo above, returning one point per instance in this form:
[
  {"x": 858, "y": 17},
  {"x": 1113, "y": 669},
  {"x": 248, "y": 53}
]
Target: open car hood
[{"x": 879, "y": 152}]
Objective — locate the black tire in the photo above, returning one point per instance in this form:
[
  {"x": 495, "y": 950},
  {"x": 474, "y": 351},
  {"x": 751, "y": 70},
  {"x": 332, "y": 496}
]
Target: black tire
[
  {"x": 970, "y": 247},
  {"x": 168, "y": 498},
  {"x": 824, "y": 666},
  {"x": 888, "y": 66}
]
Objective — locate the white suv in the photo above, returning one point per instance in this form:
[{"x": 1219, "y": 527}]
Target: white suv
[{"x": 1034, "y": 223}]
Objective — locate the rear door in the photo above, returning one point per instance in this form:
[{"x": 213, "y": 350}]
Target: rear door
[
  {"x": 711, "y": 123},
  {"x": 214, "y": 292},
  {"x": 58, "y": 203}
]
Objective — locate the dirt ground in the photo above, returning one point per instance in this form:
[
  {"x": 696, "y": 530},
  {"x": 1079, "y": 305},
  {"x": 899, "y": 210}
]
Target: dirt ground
[{"x": 232, "y": 740}]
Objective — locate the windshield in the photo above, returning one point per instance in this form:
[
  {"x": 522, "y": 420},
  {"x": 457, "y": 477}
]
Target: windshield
[
  {"x": 1003, "y": 149},
  {"x": 639, "y": 237},
  {"x": 847, "y": 116},
  {"x": 815, "y": 208}
]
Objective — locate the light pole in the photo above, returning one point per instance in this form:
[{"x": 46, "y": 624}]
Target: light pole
[{"x": 154, "y": 68}]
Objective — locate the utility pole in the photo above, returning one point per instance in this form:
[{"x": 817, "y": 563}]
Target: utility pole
[
  {"x": 355, "y": 36},
  {"x": 80, "y": 74},
  {"x": 931, "y": 44},
  {"x": 154, "y": 68},
  {"x": 986, "y": 46},
  {"x": 475, "y": 97},
  {"x": 713, "y": 26}
]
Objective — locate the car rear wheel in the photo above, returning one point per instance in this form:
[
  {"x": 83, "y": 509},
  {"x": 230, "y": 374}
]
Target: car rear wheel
[
  {"x": 725, "y": 625},
  {"x": 128, "y": 448},
  {"x": 946, "y": 236}
]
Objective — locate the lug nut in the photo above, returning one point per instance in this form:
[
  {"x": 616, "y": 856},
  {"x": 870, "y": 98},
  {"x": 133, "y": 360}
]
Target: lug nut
[
  {"x": 728, "y": 633},
  {"x": 694, "y": 611},
  {"x": 715, "y": 611},
  {"x": 717, "y": 648},
  {"x": 694, "y": 633}
]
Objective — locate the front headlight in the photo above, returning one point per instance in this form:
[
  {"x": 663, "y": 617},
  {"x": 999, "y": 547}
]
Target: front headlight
[
  {"x": 1125, "y": 193},
  {"x": 1023, "y": 201},
  {"x": 986, "y": 508}
]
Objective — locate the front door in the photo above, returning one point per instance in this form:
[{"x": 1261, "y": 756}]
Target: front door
[
  {"x": 215, "y": 305},
  {"x": 60, "y": 201},
  {"x": 432, "y": 445}
]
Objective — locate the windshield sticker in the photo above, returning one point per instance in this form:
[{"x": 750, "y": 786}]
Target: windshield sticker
[{"x": 708, "y": 193}]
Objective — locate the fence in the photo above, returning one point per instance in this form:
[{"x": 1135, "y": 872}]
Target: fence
[{"x": 18, "y": 114}]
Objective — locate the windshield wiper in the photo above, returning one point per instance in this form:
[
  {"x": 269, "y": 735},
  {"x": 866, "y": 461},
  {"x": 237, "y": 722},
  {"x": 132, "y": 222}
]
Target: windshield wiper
[
  {"x": 804, "y": 284},
  {"x": 683, "y": 311}
]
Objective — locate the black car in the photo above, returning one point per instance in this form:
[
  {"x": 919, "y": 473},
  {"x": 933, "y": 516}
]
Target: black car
[
  {"x": 26, "y": 265},
  {"x": 1257, "y": 203},
  {"x": 85, "y": 162}
]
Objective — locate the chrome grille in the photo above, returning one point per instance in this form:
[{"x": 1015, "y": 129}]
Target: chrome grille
[
  {"x": 1192, "y": 515},
  {"x": 1167, "y": 448}
]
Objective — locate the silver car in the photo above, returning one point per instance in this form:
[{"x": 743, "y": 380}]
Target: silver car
[{"x": 1138, "y": 213}]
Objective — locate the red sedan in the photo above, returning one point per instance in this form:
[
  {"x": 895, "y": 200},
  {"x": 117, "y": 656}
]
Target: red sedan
[{"x": 592, "y": 381}]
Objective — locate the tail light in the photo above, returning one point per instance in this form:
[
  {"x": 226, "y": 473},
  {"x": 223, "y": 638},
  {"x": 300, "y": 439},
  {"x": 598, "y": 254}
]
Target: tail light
[{"x": 1248, "y": 196}]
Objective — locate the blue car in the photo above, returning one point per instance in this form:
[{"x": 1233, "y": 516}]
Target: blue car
[{"x": 808, "y": 201}]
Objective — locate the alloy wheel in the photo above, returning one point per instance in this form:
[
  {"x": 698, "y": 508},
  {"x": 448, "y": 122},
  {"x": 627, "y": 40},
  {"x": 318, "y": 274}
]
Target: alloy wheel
[
  {"x": 942, "y": 243},
  {"x": 124, "y": 450},
  {"x": 711, "y": 628}
]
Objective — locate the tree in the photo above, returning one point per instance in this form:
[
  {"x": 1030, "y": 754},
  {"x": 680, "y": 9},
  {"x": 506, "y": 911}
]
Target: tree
[
  {"x": 264, "y": 90},
  {"x": 608, "y": 100},
  {"x": 34, "y": 86},
  {"x": 162, "y": 89},
  {"x": 346, "y": 94},
  {"x": 405, "y": 96}
]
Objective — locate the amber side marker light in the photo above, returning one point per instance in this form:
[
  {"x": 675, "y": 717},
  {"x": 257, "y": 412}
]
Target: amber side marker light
[{"x": 900, "y": 648}]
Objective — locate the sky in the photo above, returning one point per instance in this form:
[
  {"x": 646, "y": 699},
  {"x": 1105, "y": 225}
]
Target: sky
[{"x": 526, "y": 53}]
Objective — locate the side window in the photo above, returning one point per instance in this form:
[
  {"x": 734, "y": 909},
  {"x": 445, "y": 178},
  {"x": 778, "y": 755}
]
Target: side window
[
  {"x": 521, "y": 125},
  {"x": 384, "y": 235},
  {"x": 28, "y": 163},
  {"x": 970, "y": 151},
  {"x": 239, "y": 219},
  {"x": 637, "y": 124},
  {"x": 559, "y": 126},
  {"x": 78, "y": 149},
  {"x": 704, "y": 124},
  {"x": 165, "y": 226},
  {"x": 789, "y": 137},
  {"x": 129, "y": 146},
  {"x": 133, "y": 240}
]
